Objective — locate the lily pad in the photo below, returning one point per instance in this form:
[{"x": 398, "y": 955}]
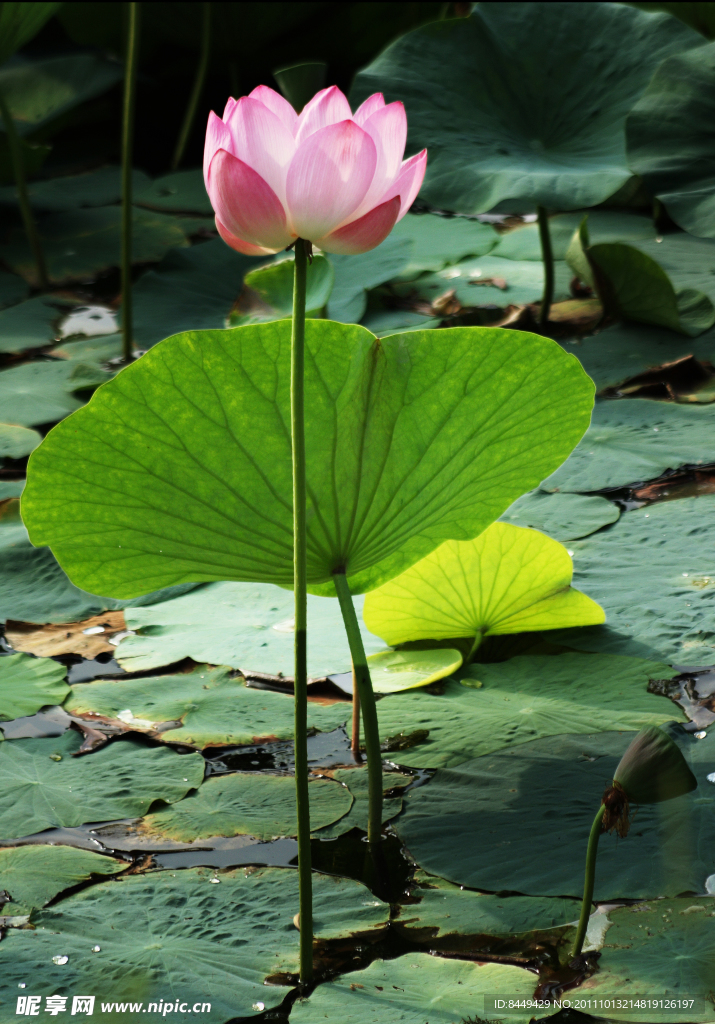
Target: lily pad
[
  {"x": 357, "y": 782},
  {"x": 79, "y": 244},
  {"x": 247, "y": 803},
  {"x": 436, "y": 460},
  {"x": 481, "y": 95},
  {"x": 274, "y": 284},
  {"x": 122, "y": 780},
  {"x": 355, "y": 274},
  {"x": 520, "y": 281},
  {"x": 41, "y": 392},
  {"x": 438, "y": 242},
  {"x": 175, "y": 932},
  {"x": 688, "y": 261},
  {"x": 522, "y": 243},
  {"x": 669, "y": 137},
  {"x": 29, "y": 324},
  {"x": 392, "y": 671},
  {"x": 634, "y": 440},
  {"x": 28, "y": 684},
  {"x": 246, "y": 625},
  {"x": 404, "y": 990},
  {"x": 662, "y": 950},
  {"x": 180, "y": 192},
  {"x": 513, "y": 702},
  {"x": 15, "y": 442},
  {"x": 562, "y": 516},
  {"x": 94, "y": 188},
  {"x": 12, "y": 289},
  {"x": 205, "y": 708},
  {"x": 33, "y": 875},
  {"x": 519, "y": 820},
  {"x": 508, "y": 580},
  {"x": 654, "y": 574}
]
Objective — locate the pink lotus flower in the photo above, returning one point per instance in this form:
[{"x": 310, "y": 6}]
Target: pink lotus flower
[{"x": 332, "y": 177}]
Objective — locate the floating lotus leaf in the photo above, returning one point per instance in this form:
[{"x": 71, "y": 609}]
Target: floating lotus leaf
[
  {"x": 248, "y": 803},
  {"x": 507, "y": 580},
  {"x": 522, "y": 243},
  {"x": 205, "y": 708},
  {"x": 653, "y": 769},
  {"x": 33, "y": 875},
  {"x": 634, "y": 440},
  {"x": 518, "y": 281},
  {"x": 438, "y": 242},
  {"x": 92, "y": 188},
  {"x": 180, "y": 192},
  {"x": 35, "y": 393},
  {"x": 16, "y": 442},
  {"x": 495, "y": 822},
  {"x": 509, "y": 115},
  {"x": 174, "y": 932},
  {"x": 562, "y": 516},
  {"x": 42, "y": 785},
  {"x": 669, "y": 137},
  {"x": 407, "y": 988},
  {"x": 357, "y": 782},
  {"x": 355, "y": 274},
  {"x": 12, "y": 289},
  {"x": 28, "y": 684},
  {"x": 436, "y": 459},
  {"x": 274, "y": 284},
  {"x": 392, "y": 671}
]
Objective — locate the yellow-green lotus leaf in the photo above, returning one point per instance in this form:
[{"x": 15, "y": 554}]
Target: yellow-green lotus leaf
[{"x": 391, "y": 671}]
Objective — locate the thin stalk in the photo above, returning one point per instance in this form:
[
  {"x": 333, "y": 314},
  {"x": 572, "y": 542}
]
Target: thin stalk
[
  {"x": 369, "y": 708},
  {"x": 130, "y": 76},
  {"x": 23, "y": 198},
  {"x": 297, "y": 410},
  {"x": 547, "y": 254},
  {"x": 588, "y": 881},
  {"x": 474, "y": 648},
  {"x": 355, "y": 737},
  {"x": 197, "y": 87}
]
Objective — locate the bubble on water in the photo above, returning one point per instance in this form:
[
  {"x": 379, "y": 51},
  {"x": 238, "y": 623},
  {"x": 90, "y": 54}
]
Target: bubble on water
[
  {"x": 96, "y": 949},
  {"x": 258, "y": 1006},
  {"x": 60, "y": 959}
]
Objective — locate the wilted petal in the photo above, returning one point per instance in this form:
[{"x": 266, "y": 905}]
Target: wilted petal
[
  {"x": 365, "y": 233},
  {"x": 278, "y": 105},
  {"x": 245, "y": 204},
  {"x": 408, "y": 182},
  {"x": 366, "y": 109},
  {"x": 328, "y": 178},
  {"x": 217, "y": 137},
  {"x": 262, "y": 141},
  {"x": 387, "y": 128},
  {"x": 328, "y": 106},
  {"x": 247, "y": 248}
]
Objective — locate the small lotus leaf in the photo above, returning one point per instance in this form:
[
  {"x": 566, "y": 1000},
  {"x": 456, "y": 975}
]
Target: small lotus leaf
[
  {"x": 653, "y": 769},
  {"x": 92, "y": 188},
  {"x": 392, "y": 671},
  {"x": 180, "y": 192},
  {"x": 33, "y": 875},
  {"x": 438, "y": 242},
  {"x": 523, "y": 243},
  {"x": 274, "y": 284},
  {"x": 357, "y": 782},
  {"x": 28, "y": 684},
  {"x": 355, "y": 274},
  {"x": 15, "y": 442}
]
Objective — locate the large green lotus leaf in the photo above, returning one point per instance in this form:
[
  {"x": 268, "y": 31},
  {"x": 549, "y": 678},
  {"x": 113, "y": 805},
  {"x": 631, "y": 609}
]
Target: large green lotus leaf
[
  {"x": 29, "y": 324},
  {"x": 81, "y": 243},
  {"x": 246, "y": 625},
  {"x": 355, "y": 274},
  {"x": 659, "y": 950},
  {"x": 28, "y": 684},
  {"x": 35, "y": 393},
  {"x": 179, "y": 469},
  {"x": 524, "y": 699},
  {"x": 93, "y": 188},
  {"x": 447, "y": 910},
  {"x": 357, "y": 782},
  {"x": 562, "y": 516},
  {"x": 633, "y": 440},
  {"x": 33, "y": 587},
  {"x": 622, "y": 351},
  {"x": 440, "y": 241},
  {"x": 119, "y": 781},
  {"x": 274, "y": 284},
  {"x": 174, "y": 932},
  {"x": 180, "y": 192},
  {"x": 523, "y": 243},
  {"x": 670, "y": 141},
  {"x": 209, "y": 708},
  {"x": 33, "y": 875},
  {"x": 19, "y": 22},
  {"x": 519, "y": 819},
  {"x": 392, "y": 671},
  {"x": 507, "y": 113},
  {"x": 654, "y": 573},
  {"x": 38, "y": 90},
  {"x": 15, "y": 442},
  {"x": 508, "y": 580},
  {"x": 523, "y": 281},
  {"x": 407, "y": 989},
  {"x": 247, "y": 803},
  {"x": 12, "y": 289},
  {"x": 191, "y": 289}
]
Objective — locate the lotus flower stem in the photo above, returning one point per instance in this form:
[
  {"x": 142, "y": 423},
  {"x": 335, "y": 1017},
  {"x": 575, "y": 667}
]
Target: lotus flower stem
[
  {"x": 197, "y": 87},
  {"x": 589, "y": 880},
  {"x": 368, "y": 705},
  {"x": 547, "y": 255},
  {"x": 297, "y": 411},
  {"x": 23, "y": 199},
  {"x": 130, "y": 75}
]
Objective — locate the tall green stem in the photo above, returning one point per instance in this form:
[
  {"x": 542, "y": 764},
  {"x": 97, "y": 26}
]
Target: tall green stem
[
  {"x": 369, "y": 708},
  {"x": 297, "y": 411},
  {"x": 547, "y": 256},
  {"x": 589, "y": 880},
  {"x": 23, "y": 199},
  {"x": 197, "y": 87},
  {"x": 130, "y": 75}
]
